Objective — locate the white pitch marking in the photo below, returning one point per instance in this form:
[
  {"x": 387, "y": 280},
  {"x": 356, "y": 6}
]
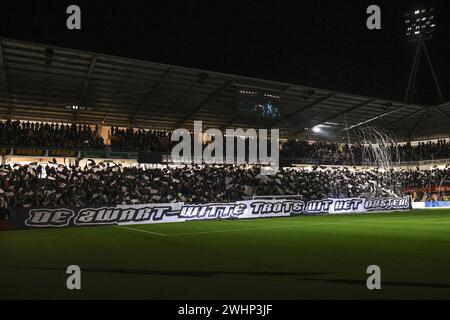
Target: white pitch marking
[
  {"x": 261, "y": 228},
  {"x": 139, "y": 230},
  {"x": 276, "y": 227}
]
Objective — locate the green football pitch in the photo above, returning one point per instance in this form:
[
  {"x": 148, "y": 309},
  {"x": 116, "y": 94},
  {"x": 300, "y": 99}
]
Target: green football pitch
[{"x": 305, "y": 257}]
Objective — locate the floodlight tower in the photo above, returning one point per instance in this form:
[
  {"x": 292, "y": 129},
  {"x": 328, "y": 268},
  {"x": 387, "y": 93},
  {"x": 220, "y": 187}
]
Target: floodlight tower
[{"x": 420, "y": 25}]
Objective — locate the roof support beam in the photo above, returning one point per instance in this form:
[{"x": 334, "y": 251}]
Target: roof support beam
[
  {"x": 404, "y": 118},
  {"x": 150, "y": 94},
  {"x": 443, "y": 112},
  {"x": 376, "y": 118},
  {"x": 231, "y": 122},
  {"x": 436, "y": 83},
  {"x": 88, "y": 76},
  {"x": 308, "y": 106},
  {"x": 414, "y": 127},
  {"x": 5, "y": 81},
  {"x": 122, "y": 83},
  {"x": 84, "y": 89},
  {"x": 348, "y": 110},
  {"x": 206, "y": 101}
]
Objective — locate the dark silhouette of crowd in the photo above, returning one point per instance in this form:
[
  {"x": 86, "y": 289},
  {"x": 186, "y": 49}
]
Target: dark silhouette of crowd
[
  {"x": 38, "y": 134},
  {"x": 314, "y": 153},
  {"x": 77, "y": 136},
  {"x": 425, "y": 150},
  {"x": 430, "y": 196},
  {"x": 353, "y": 154},
  {"x": 321, "y": 152},
  {"x": 140, "y": 140}
]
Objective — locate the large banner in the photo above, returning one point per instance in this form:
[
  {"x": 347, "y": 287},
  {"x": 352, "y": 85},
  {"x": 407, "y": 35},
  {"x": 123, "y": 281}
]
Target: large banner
[{"x": 179, "y": 212}]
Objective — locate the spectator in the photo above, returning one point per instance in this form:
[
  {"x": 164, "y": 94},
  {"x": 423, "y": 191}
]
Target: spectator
[
  {"x": 141, "y": 140},
  {"x": 110, "y": 184},
  {"x": 33, "y": 134}
]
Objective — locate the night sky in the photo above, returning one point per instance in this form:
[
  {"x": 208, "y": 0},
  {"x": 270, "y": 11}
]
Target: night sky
[{"x": 323, "y": 44}]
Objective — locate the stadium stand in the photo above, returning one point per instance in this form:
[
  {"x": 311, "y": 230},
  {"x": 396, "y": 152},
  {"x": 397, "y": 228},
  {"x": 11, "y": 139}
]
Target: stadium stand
[
  {"x": 334, "y": 153},
  {"x": 38, "y": 134},
  {"x": 140, "y": 140},
  {"x": 51, "y": 135},
  {"x": 140, "y": 103},
  {"x": 98, "y": 184}
]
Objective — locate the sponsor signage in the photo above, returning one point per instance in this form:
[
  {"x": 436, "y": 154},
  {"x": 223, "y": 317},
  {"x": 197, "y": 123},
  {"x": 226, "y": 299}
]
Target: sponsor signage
[
  {"x": 437, "y": 204},
  {"x": 29, "y": 152},
  {"x": 65, "y": 153},
  {"x": 431, "y": 204},
  {"x": 109, "y": 154}
]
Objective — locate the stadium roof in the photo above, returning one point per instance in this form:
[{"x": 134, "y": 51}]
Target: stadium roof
[{"x": 39, "y": 82}]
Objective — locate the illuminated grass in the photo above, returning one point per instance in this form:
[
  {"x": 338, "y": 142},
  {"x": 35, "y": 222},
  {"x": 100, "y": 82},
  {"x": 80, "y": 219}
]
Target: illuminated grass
[{"x": 283, "y": 258}]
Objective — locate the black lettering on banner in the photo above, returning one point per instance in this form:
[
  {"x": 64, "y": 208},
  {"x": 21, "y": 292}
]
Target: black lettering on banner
[
  {"x": 387, "y": 203},
  {"x": 347, "y": 204},
  {"x": 318, "y": 206},
  {"x": 49, "y": 217},
  {"x": 212, "y": 211},
  {"x": 62, "y": 217},
  {"x": 85, "y": 216},
  {"x": 238, "y": 210},
  {"x": 159, "y": 212},
  {"x": 222, "y": 212},
  {"x": 113, "y": 215},
  {"x": 298, "y": 207},
  {"x": 129, "y": 214},
  {"x": 279, "y": 207}
]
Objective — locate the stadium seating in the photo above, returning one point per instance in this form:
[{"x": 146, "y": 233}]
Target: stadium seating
[
  {"x": 50, "y": 135},
  {"x": 36, "y": 134},
  {"x": 98, "y": 184}
]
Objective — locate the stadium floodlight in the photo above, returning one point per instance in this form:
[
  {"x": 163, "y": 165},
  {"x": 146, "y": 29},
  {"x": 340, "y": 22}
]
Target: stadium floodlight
[
  {"x": 420, "y": 23},
  {"x": 76, "y": 107},
  {"x": 317, "y": 129}
]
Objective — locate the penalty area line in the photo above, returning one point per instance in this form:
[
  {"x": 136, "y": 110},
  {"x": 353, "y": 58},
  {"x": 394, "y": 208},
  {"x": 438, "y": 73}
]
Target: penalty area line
[{"x": 139, "y": 230}]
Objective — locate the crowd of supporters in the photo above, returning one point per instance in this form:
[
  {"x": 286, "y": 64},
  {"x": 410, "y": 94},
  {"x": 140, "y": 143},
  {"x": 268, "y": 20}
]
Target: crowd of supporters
[
  {"x": 342, "y": 153},
  {"x": 99, "y": 184},
  {"x": 432, "y": 196},
  {"x": 317, "y": 152},
  {"x": 140, "y": 140},
  {"x": 425, "y": 151},
  {"x": 35, "y": 134}
]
